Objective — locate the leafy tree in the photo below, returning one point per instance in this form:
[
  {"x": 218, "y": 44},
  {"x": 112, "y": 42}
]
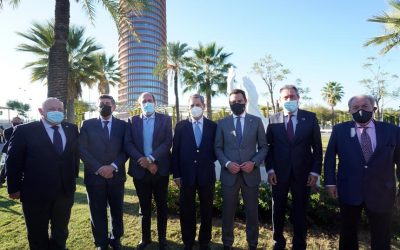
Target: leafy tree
[
  {"x": 171, "y": 63},
  {"x": 206, "y": 72},
  {"x": 303, "y": 91},
  {"x": 107, "y": 72},
  {"x": 391, "y": 21},
  {"x": 21, "y": 108},
  {"x": 57, "y": 76},
  {"x": 271, "y": 72},
  {"x": 323, "y": 114},
  {"x": 332, "y": 93},
  {"x": 81, "y": 60},
  {"x": 378, "y": 85}
]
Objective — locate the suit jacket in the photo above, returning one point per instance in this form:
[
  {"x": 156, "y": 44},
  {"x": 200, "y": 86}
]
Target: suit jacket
[
  {"x": 7, "y": 135},
  {"x": 358, "y": 181},
  {"x": 253, "y": 147},
  {"x": 162, "y": 141},
  {"x": 96, "y": 150},
  {"x": 189, "y": 162},
  {"x": 302, "y": 155},
  {"x": 34, "y": 167}
]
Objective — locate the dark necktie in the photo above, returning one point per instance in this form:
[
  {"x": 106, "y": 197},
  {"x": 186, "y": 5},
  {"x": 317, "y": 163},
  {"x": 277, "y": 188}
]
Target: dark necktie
[
  {"x": 289, "y": 128},
  {"x": 238, "y": 132},
  {"x": 57, "y": 141},
  {"x": 105, "y": 130},
  {"x": 366, "y": 144}
]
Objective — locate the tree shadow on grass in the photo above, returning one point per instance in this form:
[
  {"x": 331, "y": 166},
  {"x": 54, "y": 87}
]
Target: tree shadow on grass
[{"x": 6, "y": 204}]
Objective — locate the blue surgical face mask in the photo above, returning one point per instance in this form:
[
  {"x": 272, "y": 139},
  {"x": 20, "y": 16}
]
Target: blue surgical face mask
[
  {"x": 148, "y": 108},
  {"x": 291, "y": 106},
  {"x": 55, "y": 117}
]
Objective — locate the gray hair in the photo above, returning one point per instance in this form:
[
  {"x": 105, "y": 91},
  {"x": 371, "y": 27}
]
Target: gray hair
[
  {"x": 290, "y": 86},
  {"x": 197, "y": 96},
  {"x": 370, "y": 98},
  {"x": 143, "y": 94}
]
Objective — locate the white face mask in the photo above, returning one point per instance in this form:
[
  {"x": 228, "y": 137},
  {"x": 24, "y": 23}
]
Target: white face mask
[{"x": 196, "y": 112}]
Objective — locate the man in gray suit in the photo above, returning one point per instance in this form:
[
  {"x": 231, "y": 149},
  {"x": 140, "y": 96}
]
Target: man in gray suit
[{"x": 240, "y": 146}]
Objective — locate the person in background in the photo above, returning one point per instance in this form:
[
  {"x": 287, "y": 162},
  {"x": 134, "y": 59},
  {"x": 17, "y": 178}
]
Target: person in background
[
  {"x": 41, "y": 167},
  {"x": 101, "y": 145},
  {"x": 193, "y": 170},
  {"x": 148, "y": 142}
]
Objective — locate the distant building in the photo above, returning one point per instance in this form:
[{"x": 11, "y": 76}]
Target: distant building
[{"x": 138, "y": 59}]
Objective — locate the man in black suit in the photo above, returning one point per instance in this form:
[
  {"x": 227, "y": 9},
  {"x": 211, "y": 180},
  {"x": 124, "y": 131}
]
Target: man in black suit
[
  {"x": 41, "y": 167},
  {"x": 293, "y": 162},
  {"x": 148, "y": 142},
  {"x": 15, "y": 121},
  {"x": 101, "y": 145},
  {"x": 193, "y": 169}
]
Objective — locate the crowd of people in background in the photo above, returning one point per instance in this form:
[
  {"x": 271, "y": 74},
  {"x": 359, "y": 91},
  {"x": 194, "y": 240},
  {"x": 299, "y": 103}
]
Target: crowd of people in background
[{"x": 43, "y": 158}]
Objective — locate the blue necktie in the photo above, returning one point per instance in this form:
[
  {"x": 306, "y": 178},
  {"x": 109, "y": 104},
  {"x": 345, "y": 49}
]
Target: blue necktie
[
  {"x": 239, "y": 134},
  {"x": 197, "y": 133},
  {"x": 57, "y": 141},
  {"x": 105, "y": 130}
]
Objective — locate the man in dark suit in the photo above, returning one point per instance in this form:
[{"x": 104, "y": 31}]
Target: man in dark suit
[
  {"x": 15, "y": 121},
  {"x": 367, "y": 150},
  {"x": 41, "y": 167},
  {"x": 101, "y": 145},
  {"x": 193, "y": 169},
  {"x": 293, "y": 162},
  {"x": 148, "y": 142},
  {"x": 240, "y": 146}
]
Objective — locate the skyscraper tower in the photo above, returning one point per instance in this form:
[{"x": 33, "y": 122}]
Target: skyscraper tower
[{"x": 138, "y": 59}]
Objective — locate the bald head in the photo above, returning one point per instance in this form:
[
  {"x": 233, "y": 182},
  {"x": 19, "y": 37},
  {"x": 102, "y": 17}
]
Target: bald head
[{"x": 52, "y": 110}]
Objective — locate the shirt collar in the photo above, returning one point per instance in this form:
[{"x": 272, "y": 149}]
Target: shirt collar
[
  {"x": 241, "y": 116},
  {"x": 200, "y": 121},
  {"x": 144, "y": 117},
  {"x": 48, "y": 125},
  {"x": 371, "y": 125},
  {"x": 104, "y": 120},
  {"x": 285, "y": 113}
]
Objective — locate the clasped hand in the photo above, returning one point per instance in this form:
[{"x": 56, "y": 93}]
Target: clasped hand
[
  {"x": 106, "y": 171},
  {"x": 246, "y": 167}
]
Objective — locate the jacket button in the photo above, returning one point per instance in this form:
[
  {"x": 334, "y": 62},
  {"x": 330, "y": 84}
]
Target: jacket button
[
  {"x": 195, "y": 161},
  {"x": 365, "y": 166},
  {"x": 197, "y": 151}
]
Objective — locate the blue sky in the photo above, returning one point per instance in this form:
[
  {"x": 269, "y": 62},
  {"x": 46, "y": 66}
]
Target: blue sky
[{"x": 319, "y": 41}]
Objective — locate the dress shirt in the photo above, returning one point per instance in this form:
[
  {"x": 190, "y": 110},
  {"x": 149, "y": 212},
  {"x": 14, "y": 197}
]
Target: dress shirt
[
  {"x": 200, "y": 121},
  {"x": 370, "y": 131},
  {"x": 148, "y": 131},
  {"x": 109, "y": 125},
  {"x": 50, "y": 132}
]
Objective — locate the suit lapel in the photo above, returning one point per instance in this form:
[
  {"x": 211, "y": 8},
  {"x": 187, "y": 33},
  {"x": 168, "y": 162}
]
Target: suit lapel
[
  {"x": 248, "y": 126},
  {"x": 99, "y": 127},
  {"x": 68, "y": 136},
  {"x": 189, "y": 131},
  {"x": 280, "y": 121},
  {"x": 231, "y": 128},
  {"x": 354, "y": 138},
  {"x": 380, "y": 135},
  {"x": 157, "y": 126},
  {"x": 300, "y": 125},
  {"x": 43, "y": 133},
  {"x": 139, "y": 130},
  {"x": 114, "y": 128}
]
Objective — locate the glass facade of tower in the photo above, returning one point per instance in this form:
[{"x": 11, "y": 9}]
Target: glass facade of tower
[{"x": 138, "y": 59}]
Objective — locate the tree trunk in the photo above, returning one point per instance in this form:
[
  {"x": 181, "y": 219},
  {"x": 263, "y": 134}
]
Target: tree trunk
[
  {"x": 71, "y": 110},
  {"x": 176, "y": 96},
  {"x": 208, "y": 105},
  {"x": 333, "y": 116},
  {"x": 57, "y": 80}
]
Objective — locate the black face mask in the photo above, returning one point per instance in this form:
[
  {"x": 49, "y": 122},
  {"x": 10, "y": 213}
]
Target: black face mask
[
  {"x": 238, "y": 108},
  {"x": 362, "y": 116},
  {"x": 105, "y": 110}
]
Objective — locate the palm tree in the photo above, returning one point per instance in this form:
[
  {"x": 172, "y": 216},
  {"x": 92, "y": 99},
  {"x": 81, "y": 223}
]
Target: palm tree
[
  {"x": 107, "y": 72},
  {"x": 57, "y": 76},
  {"x": 206, "y": 72},
  {"x": 81, "y": 65},
  {"x": 391, "y": 20},
  {"x": 332, "y": 93},
  {"x": 171, "y": 63}
]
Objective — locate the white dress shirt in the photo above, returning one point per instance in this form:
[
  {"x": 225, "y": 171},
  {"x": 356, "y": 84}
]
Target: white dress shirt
[{"x": 50, "y": 132}]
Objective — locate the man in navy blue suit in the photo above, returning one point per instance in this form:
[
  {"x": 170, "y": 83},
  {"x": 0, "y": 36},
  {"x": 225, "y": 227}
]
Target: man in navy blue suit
[
  {"x": 193, "y": 169},
  {"x": 293, "y": 163},
  {"x": 41, "y": 167},
  {"x": 367, "y": 152},
  {"x": 102, "y": 151},
  {"x": 148, "y": 142}
]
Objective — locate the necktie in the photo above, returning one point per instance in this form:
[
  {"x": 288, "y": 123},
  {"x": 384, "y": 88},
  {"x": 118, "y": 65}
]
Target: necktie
[
  {"x": 289, "y": 128},
  {"x": 366, "y": 144},
  {"x": 239, "y": 134},
  {"x": 197, "y": 133},
  {"x": 57, "y": 141},
  {"x": 105, "y": 130}
]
